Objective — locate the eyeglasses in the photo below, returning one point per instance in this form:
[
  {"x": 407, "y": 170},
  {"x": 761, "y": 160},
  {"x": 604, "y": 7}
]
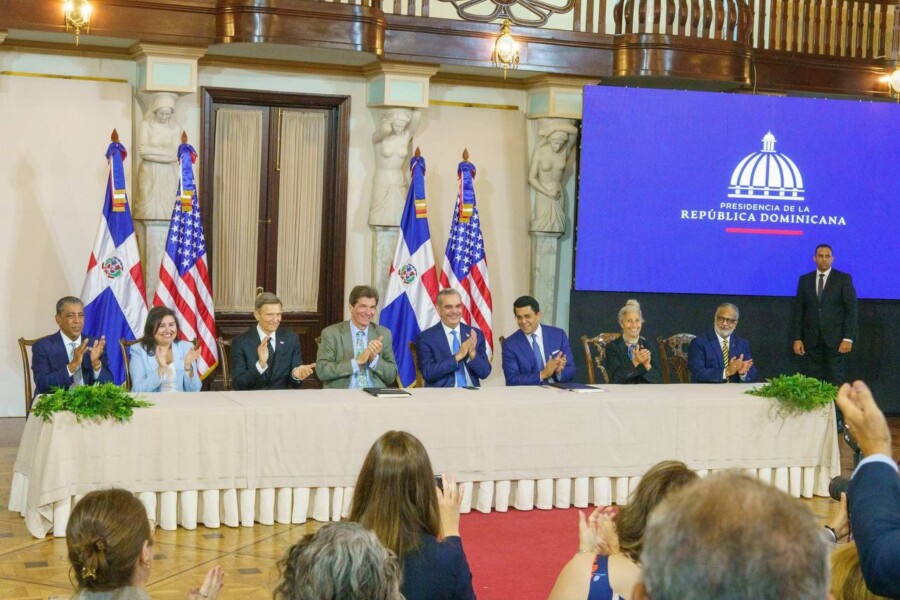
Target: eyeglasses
[{"x": 725, "y": 320}]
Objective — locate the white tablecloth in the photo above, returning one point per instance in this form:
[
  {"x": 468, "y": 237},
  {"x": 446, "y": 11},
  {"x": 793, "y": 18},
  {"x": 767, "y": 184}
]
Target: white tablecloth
[{"x": 284, "y": 456}]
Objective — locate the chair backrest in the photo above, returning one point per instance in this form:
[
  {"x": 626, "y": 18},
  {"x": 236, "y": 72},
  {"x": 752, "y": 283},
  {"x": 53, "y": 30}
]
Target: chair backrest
[
  {"x": 673, "y": 354},
  {"x": 24, "y": 348},
  {"x": 595, "y": 353},
  {"x": 318, "y": 341},
  {"x": 502, "y": 339},
  {"x": 419, "y": 382},
  {"x": 125, "y": 345},
  {"x": 224, "y": 349}
]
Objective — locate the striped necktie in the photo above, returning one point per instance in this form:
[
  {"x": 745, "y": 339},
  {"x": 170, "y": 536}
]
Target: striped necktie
[{"x": 725, "y": 353}]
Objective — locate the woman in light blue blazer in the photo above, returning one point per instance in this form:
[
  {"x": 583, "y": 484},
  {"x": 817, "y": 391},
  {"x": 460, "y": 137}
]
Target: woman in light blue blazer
[{"x": 161, "y": 362}]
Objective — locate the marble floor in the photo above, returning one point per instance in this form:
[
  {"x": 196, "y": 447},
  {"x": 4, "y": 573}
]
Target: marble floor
[{"x": 38, "y": 568}]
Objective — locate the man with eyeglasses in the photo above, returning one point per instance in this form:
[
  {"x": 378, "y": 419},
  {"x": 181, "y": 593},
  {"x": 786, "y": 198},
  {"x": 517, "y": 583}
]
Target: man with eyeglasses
[{"x": 719, "y": 356}]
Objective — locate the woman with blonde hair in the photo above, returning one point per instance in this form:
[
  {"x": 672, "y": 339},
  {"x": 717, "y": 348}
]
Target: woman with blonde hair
[
  {"x": 630, "y": 359},
  {"x": 111, "y": 549},
  {"x": 607, "y": 565},
  {"x": 396, "y": 497}
]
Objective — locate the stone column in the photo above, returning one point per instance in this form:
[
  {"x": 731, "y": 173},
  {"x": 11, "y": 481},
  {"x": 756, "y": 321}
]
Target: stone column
[
  {"x": 554, "y": 105},
  {"x": 396, "y": 92},
  {"x": 166, "y": 75}
]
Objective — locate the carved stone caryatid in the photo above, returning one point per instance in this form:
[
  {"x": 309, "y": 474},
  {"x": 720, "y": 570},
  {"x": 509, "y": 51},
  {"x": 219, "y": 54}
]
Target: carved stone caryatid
[
  {"x": 546, "y": 174},
  {"x": 391, "y": 143},
  {"x": 159, "y": 136}
]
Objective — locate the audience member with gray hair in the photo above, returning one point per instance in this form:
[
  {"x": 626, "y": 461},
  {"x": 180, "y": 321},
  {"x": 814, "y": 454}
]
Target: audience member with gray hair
[
  {"x": 732, "y": 537},
  {"x": 340, "y": 561}
]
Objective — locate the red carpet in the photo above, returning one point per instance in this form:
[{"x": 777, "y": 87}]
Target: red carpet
[{"x": 518, "y": 554}]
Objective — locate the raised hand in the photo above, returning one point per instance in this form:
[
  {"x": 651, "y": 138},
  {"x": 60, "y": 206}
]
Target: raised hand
[
  {"x": 864, "y": 419},
  {"x": 192, "y": 355},
  {"x": 303, "y": 371},
  {"x": 97, "y": 352},
  {"x": 215, "y": 578},
  {"x": 262, "y": 352},
  {"x": 745, "y": 367},
  {"x": 472, "y": 341},
  {"x": 449, "y": 500}
]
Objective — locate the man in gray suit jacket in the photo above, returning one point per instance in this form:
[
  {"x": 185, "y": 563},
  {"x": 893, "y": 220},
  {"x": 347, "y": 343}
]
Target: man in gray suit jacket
[{"x": 357, "y": 353}]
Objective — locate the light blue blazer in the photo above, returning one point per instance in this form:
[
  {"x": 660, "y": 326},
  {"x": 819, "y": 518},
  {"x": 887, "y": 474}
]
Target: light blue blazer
[{"x": 145, "y": 370}]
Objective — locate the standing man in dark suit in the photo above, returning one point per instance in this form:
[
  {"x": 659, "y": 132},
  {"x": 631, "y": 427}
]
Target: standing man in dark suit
[
  {"x": 267, "y": 357},
  {"x": 874, "y": 493},
  {"x": 63, "y": 359},
  {"x": 357, "y": 353},
  {"x": 536, "y": 353},
  {"x": 452, "y": 354},
  {"x": 824, "y": 319},
  {"x": 707, "y": 352}
]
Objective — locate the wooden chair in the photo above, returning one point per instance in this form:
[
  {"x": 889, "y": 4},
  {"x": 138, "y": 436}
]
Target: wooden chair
[
  {"x": 24, "y": 345},
  {"x": 595, "y": 353},
  {"x": 419, "y": 382},
  {"x": 224, "y": 349},
  {"x": 126, "y": 345},
  {"x": 673, "y": 354}
]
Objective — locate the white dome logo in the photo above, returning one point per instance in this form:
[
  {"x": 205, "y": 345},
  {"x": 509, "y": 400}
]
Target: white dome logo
[{"x": 767, "y": 175}]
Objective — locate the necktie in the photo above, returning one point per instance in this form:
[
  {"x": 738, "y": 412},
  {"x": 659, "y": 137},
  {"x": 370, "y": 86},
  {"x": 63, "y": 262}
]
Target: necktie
[
  {"x": 362, "y": 375},
  {"x": 460, "y": 373},
  {"x": 77, "y": 376},
  {"x": 725, "y": 353},
  {"x": 538, "y": 357},
  {"x": 270, "y": 364},
  {"x": 631, "y": 351},
  {"x": 821, "y": 285}
]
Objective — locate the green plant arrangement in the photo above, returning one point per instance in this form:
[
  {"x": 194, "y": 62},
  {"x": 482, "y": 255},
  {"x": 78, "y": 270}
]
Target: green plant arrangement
[
  {"x": 94, "y": 403},
  {"x": 794, "y": 394}
]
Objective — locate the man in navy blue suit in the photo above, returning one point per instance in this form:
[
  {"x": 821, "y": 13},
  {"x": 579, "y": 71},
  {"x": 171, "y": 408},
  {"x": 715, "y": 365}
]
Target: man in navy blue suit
[
  {"x": 64, "y": 359},
  {"x": 536, "y": 353},
  {"x": 874, "y": 493},
  {"x": 706, "y": 355},
  {"x": 452, "y": 354}
]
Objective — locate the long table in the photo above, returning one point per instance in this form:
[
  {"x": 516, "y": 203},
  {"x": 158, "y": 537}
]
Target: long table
[{"x": 236, "y": 458}]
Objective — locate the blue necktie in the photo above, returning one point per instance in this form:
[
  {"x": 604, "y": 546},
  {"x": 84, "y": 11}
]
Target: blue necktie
[
  {"x": 460, "y": 373},
  {"x": 631, "y": 351},
  {"x": 538, "y": 356}
]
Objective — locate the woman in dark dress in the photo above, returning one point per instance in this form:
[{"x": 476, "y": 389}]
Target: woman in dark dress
[
  {"x": 630, "y": 359},
  {"x": 396, "y": 497}
]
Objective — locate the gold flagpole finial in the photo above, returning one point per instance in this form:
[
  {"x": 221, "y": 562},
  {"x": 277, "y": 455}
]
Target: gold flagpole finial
[
  {"x": 418, "y": 153},
  {"x": 184, "y": 137},
  {"x": 114, "y": 136},
  {"x": 466, "y": 154}
]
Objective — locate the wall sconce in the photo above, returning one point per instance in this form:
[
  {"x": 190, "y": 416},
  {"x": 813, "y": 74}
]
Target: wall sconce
[
  {"x": 893, "y": 81},
  {"x": 506, "y": 50},
  {"x": 77, "y": 14}
]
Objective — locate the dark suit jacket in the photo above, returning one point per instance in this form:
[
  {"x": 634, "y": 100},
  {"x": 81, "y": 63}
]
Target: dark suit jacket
[
  {"x": 437, "y": 570},
  {"x": 519, "y": 364},
  {"x": 874, "y": 498},
  {"x": 621, "y": 369},
  {"x": 49, "y": 358},
  {"x": 439, "y": 365},
  {"x": 835, "y": 316},
  {"x": 705, "y": 358},
  {"x": 244, "y": 375}
]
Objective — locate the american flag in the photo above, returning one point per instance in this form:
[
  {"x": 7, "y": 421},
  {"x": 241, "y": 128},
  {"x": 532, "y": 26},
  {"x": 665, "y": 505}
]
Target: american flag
[
  {"x": 465, "y": 265},
  {"x": 184, "y": 283}
]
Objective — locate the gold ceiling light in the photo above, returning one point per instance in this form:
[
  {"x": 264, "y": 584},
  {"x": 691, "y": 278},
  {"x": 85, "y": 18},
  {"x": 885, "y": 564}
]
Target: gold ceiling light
[
  {"x": 894, "y": 80},
  {"x": 77, "y": 14},
  {"x": 506, "y": 50}
]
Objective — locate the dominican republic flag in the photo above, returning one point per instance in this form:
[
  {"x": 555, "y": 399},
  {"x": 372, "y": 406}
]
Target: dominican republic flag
[
  {"x": 465, "y": 265},
  {"x": 412, "y": 283},
  {"x": 114, "y": 299},
  {"x": 184, "y": 283}
]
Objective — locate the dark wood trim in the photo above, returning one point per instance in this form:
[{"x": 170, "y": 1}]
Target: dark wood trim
[
  {"x": 653, "y": 55},
  {"x": 334, "y": 205}
]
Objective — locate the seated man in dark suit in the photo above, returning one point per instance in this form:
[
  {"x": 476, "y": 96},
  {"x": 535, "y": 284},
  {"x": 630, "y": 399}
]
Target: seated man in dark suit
[
  {"x": 874, "y": 493},
  {"x": 536, "y": 353},
  {"x": 267, "y": 357},
  {"x": 64, "y": 359},
  {"x": 706, "y": 355},
  {"x": 357, "y": 353},
  {"x": 452, "y": 354}
]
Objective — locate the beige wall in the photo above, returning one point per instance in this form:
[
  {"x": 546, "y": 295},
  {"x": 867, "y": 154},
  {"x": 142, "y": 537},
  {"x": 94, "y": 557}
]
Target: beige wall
[{"x": 54, "y": 132}]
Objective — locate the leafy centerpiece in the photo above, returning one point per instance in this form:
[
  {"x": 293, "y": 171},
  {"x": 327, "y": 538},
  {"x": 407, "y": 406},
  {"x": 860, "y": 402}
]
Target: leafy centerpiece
[
  {"x": 794, "y": 394},
  {"x": 91, "y": 402}
]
